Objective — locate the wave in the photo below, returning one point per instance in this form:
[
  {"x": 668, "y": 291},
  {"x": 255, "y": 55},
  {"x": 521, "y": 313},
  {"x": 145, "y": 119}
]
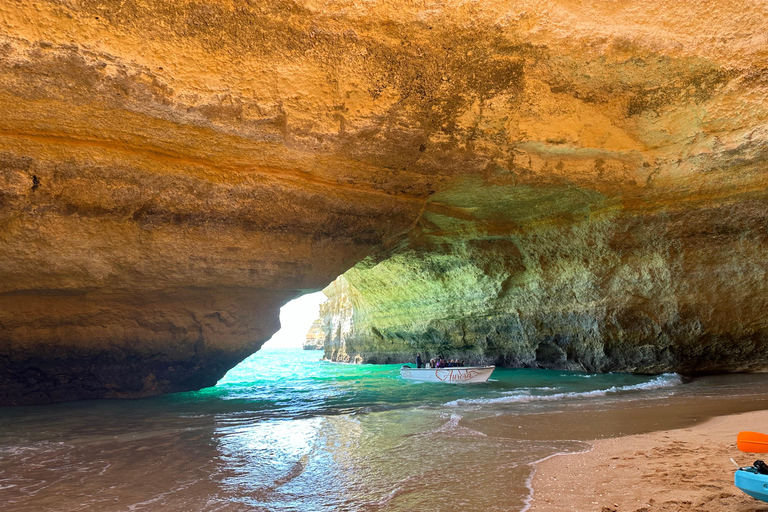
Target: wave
[
  {"x": 528, "y": 390},
  {"x": 453, "y": 427},
  {"x": 666, "y": 380}
]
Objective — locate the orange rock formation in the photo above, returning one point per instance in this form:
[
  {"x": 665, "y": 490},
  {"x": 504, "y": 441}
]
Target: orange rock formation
[{"x": 172, "y": 172}]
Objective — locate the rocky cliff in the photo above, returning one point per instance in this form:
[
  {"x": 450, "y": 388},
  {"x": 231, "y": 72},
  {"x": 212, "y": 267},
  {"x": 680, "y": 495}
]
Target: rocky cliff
[
  {"x": 571, "y": 184},
  {"x": 315, "y": 339}
]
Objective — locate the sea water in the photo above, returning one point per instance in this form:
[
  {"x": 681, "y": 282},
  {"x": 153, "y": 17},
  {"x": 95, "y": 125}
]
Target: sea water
[{"x": 286, "y": 431}]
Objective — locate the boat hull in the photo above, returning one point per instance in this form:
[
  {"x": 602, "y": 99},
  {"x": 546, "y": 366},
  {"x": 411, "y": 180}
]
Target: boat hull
[
  {"x": 459, "y": 375},
  {"x": 752, "y": 483}
]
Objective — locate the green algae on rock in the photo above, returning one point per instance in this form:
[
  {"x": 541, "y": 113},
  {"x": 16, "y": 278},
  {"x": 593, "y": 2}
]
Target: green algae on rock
[{"x": 577, "y": 284}]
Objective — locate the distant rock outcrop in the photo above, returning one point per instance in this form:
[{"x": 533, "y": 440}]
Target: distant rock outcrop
[{"x": 315, "y": 337}]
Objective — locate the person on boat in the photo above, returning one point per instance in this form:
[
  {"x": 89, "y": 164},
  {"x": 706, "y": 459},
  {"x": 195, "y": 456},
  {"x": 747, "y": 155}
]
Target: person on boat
[
  {"x": 432, "y": 363},
  {"x": 419, "y": 363}
]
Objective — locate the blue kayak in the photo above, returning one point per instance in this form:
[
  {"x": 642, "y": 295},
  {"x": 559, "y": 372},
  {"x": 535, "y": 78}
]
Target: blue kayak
[{"x": 751, "y": 482}]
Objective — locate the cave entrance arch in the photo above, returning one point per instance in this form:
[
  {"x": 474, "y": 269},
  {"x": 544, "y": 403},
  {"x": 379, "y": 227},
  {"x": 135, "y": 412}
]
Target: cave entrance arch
[{"x": 296, "y": 318}]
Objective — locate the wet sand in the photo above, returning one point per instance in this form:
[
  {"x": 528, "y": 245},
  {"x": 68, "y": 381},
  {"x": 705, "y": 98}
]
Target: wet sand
[{"x": 687, "y": 469}]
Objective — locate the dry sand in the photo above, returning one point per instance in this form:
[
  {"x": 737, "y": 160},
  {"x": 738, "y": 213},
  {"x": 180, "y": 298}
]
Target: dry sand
[{"x": 677, "y": 470}]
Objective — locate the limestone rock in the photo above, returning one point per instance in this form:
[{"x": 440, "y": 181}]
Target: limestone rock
[
  {"x": 606, "y": 289},
  {"x": 315, "y": 337},
  {"x": 557, "y": 183}
]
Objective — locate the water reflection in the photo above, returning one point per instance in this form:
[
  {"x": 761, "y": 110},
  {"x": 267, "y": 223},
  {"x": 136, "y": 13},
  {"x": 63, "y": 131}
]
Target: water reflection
[
  {"x": 397, "y": 460},
  {"x": 260, "y": 460}
]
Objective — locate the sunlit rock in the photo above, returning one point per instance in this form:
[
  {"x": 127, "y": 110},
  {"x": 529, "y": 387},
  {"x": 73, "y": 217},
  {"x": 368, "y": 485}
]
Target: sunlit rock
[
  {"x": 568, "y": 279},
  {"x": 315, "y": 339}
]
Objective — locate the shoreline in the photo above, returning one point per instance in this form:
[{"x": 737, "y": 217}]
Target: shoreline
[{"x": 684, "y": 469}]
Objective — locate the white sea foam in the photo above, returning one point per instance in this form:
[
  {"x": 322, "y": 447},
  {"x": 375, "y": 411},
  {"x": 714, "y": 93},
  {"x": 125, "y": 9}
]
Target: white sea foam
[
  {"x": 455, "y": 429},
  {"x": 528, "y": 390},
  {"x": 666, "y": 380}
]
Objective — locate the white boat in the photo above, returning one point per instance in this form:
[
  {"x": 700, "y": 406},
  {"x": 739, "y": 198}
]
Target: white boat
[{"x": 455, "y": 375}]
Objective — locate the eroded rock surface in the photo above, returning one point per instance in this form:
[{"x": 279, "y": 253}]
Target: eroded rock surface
[{"x": 563, "y": 183}]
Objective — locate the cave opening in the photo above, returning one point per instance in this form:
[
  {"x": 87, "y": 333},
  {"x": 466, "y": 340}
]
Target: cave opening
[
  {"x": 296, "y": 318},
  {"x": 281, "y": 356}
]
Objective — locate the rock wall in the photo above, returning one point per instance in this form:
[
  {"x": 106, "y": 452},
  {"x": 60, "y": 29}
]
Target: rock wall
[
  {"x": 170, "y": 175},
  {"x": 576, "y": 183},
  {"x": 677, "y": 290},
  {"x": 609, "y": 228}
]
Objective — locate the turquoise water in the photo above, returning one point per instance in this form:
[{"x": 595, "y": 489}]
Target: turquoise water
[
  {"x": 295, "y": 383},
  {"x": 285, "y": 431}
]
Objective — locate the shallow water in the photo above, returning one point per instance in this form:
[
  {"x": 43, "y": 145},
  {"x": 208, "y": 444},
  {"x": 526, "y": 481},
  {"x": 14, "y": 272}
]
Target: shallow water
[{"x": 284, "y": 431}]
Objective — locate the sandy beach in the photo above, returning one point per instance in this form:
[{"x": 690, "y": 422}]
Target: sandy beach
[{"x": 687, "y": 469}]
